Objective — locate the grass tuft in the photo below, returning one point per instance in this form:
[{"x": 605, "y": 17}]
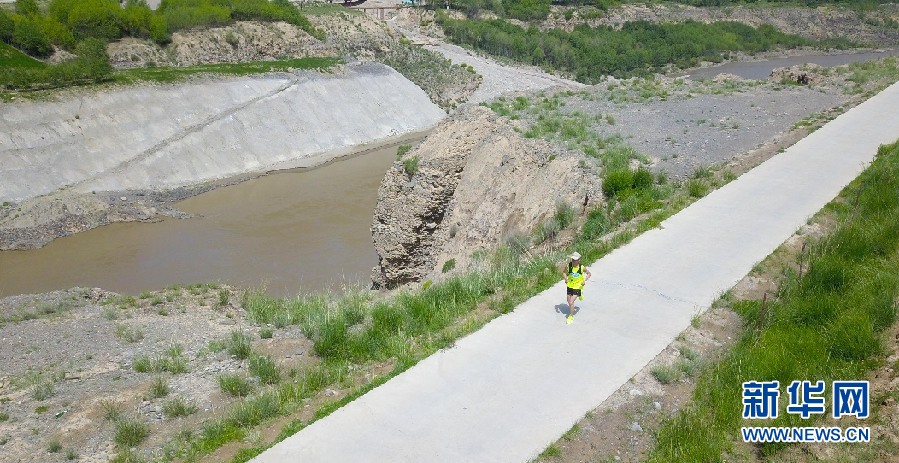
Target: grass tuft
[
  {"x": 234, "y": 385},
  {"x": 131, "y": 432}
]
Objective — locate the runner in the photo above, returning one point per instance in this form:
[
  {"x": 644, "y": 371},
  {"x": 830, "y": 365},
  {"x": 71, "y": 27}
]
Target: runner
[{"x": 575, "y": 277}]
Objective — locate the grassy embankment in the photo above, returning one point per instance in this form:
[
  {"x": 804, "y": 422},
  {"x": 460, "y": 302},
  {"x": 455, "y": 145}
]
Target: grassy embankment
[{"x": 825, "y": 325}]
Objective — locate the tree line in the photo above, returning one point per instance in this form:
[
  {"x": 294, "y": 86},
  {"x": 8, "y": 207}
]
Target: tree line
[
  {"x": 65, "y": 23},
  {"x": 589, "y": 53},
  {"x": 535, "y": 10}
]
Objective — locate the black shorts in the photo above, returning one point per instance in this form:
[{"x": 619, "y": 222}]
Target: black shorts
[{"x": 573, "y": 291}]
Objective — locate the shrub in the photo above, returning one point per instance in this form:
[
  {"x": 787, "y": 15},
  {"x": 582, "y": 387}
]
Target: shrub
[
  {"x": 642, "y": 179},
  {"x": 411, "y": 165},
  {"x": 697, "y": 188},
  {"x": 449, "y": 265},
  {"x": 617, "y": 181},
  {"x": 30, "y": 38},
  {"x": 402, "y": 149}
]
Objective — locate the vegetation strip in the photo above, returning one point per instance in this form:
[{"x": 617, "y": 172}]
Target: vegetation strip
[
  {"x": 591, "y": 53},
  {"x": 824, "y": 325}
]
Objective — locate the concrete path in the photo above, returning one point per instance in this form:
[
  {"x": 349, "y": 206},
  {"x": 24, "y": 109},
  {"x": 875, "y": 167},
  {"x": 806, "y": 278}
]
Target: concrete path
[{"x": 505, "y": 392}]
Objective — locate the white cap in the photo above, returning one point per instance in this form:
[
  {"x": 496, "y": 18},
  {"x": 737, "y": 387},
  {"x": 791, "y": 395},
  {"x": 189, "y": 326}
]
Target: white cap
[{"x": 575, "y": 256}]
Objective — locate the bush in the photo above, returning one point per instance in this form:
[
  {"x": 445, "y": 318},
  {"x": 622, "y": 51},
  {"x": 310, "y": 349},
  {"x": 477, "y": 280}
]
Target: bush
[
  {"x": 402, "y": 149},
  {"x": 449, "y": 265},
  {"x": 616, "y": 182},
  {"x": 30, "y": 38},
  {"x": 643, "y": 179},
  {"x": 527, "y": 10},
  {"x": 7, "y": 26},
  {"x": 697, "y": 188},
  {"x": 411, "y": 166}
]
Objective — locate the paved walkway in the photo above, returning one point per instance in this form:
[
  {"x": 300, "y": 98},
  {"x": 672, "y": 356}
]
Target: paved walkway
[{"x": 507, "y": 391}]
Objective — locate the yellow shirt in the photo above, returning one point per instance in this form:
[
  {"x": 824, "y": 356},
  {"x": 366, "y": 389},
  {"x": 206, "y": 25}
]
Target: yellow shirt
[{"x": 576, "y": 277}]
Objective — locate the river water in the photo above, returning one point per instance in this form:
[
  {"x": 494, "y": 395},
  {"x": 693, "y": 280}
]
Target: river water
[
  {"x": 762, "y": 69},
  {"x": 288, "y": 231}
]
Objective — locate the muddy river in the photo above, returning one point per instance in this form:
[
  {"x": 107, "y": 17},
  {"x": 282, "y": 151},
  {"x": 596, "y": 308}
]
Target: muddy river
[
  {"x": 289, "y": 232},
  {"x": 762, "y": 69}
]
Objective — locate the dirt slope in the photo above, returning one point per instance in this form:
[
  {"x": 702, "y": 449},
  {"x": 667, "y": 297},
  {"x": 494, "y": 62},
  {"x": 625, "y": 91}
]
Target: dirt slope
[{"x": 478, "y": 181}]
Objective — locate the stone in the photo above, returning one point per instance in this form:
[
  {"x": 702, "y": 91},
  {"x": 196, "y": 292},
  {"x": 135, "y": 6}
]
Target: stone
[{"x": 635, "y": 427}]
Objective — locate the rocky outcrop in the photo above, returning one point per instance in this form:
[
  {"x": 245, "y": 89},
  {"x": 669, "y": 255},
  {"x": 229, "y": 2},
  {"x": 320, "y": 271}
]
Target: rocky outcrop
[
  {"x": 240, "y": 42},
  {"x": 477, "y": 181}
]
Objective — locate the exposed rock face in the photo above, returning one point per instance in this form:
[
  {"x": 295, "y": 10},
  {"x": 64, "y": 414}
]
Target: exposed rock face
[
  {"x": 240, "y": 42},
  {"x": 478, "y": 181}
]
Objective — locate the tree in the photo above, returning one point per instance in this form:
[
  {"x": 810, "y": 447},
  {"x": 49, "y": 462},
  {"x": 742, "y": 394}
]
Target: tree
[
  {"x": 29, "y": 37},
  {"x": 27, "y": 7},
  {"x": 7, "y": 26}
]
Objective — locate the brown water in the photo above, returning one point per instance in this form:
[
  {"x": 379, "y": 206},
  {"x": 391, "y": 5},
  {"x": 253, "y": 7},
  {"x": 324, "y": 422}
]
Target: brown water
[{"x": 290, "y": 232}]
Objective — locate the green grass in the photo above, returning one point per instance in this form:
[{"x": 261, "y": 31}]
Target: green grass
[
  {"x": 54, "y": 446},
  {"x": 159, "y": 388},
  {"x": 234, "y": 385},
  {"x": 10, "y": 57},
  {"x": 239, "y": 345},
  {"x": 41, "y": 390},
  {"x": 266, "y": 333},
  {"x": 175, "y": 74},
  {"x": 173, "y": 362},
  {"x": 112, "y": 411},
  {"x": 665, "y": 374},
  {"x": 826, "y": 326},
  {"x": 128, "y": 334},
  {"x": 131, "y": 432},
  {"x": 178, "y": 406},
  {"x": 264, "y": 368},
  {"x": 4, "y": 417}
]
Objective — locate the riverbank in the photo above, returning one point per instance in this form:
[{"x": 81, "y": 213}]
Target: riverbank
[{"x": 91, "y": 149}]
